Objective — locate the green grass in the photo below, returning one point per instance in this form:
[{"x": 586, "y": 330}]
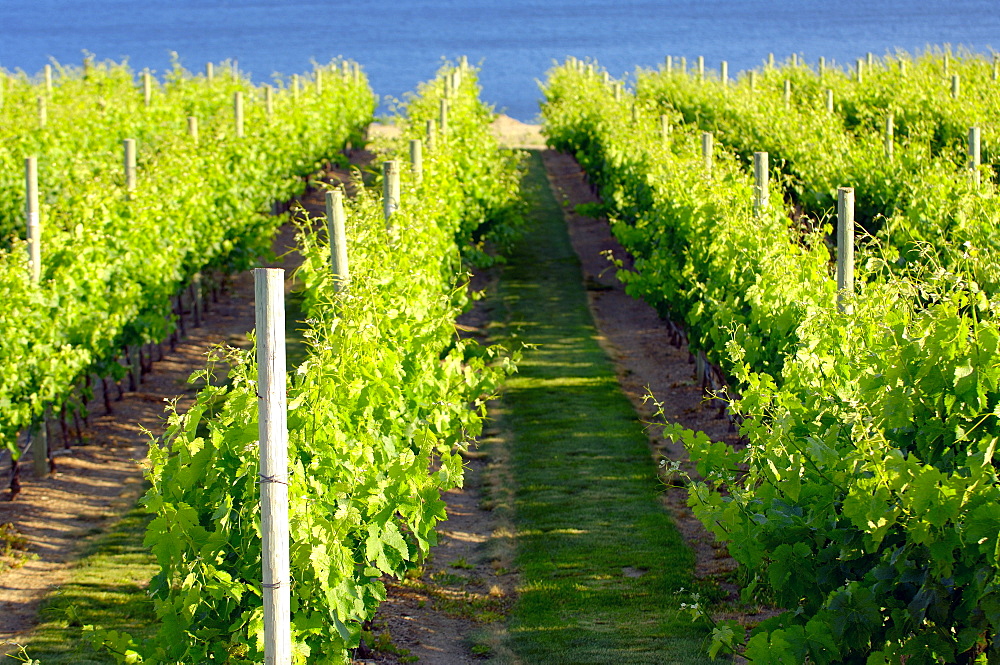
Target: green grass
[
  {"x": 587, "y": 512},
  {"x": 107, "y": 590}
]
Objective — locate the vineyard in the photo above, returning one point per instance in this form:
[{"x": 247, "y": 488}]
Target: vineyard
[
  {"x": 864, "y": 500},
  {"x": 822, "y": 241}
]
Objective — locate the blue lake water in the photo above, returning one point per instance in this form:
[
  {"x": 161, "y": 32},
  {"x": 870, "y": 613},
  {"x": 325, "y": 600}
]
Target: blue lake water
[{"x": 403, "y": 42}]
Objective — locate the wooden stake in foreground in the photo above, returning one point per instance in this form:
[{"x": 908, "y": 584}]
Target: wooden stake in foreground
[
  {"x": 845, "y": 244},
  {"x": 193, "y": 128},
  {"x": 269, "y": 291},
  {"x": 338, "y": 239}
]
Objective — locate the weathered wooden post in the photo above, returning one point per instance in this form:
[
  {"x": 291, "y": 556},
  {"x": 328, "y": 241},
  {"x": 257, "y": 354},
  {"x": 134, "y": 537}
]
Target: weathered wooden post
[
  {"x": 209, "y": 72},
  {"x": 443, "y": 117},
  {"x": 752, "y": 80},
  {"x": 974, "y": 155},
  {"x": 845, "y": 245},
  {"x": 33, "y": 218},
  {"x": 269, "y": 293},
  {"x": 193, "y": 128},
  {"x": 761, "y": 179},
  {"x": 130, "y": 166},
  {"x": 335, "y": 220},
  {"x": 38, "y": 432},
  {"x": 724, "y": 73},
  {"x": 701, "y": 68},
  {"x": 668, "y": 63},
  {"x": 268, "y": 101},
  {"x": 664, "y": 129},
  {"x": 48, "y": 79},
  {"x": 147, "y": 88},
  {"x": 829, "y": 100},
  {"x": 390, "y": 190},
  {"x": 706, "y": 151},
  {"x": 955, "y": 86},
  {"x": 822, "y": 66},
  {"x": 417, "y": 159},
  {"x": 860, "y": 70}
]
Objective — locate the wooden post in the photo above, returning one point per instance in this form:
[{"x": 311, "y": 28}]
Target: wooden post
[
  {"x": 871, "y": 60},
  {"x": 40, "y": 441},
  {"x": 269, "y": 291},
  {"x": 147, "y": 88},
  {"x": 845, "y": 244},
  {"x": 890, "y": 131},
  {"x": 443, "y": 117},
  {"x": 238, "y": 113},
  {"x": 822, "y": 66},
  {"x": 268, "y": 100},
  {"x": 902, "y": 68},
  {"x": 209, "y": 71},
  {"x": 43, "y": 112},
  {"x": 193, "y": 128},
  {"x": 684, "y": 65},
  {"x": 618, "y": 91},
  {"x": 955, "y": 86},
  {"x": 946, "y": 62},
  {"x": 795, "y": 60},
  {"x": 753, "y": 80},
  {"x": 33, "y": 218},
  {"x": 974, "y": 155},
  {"x": 447, "y": 87},
  {"x": 724, "y": 72},
  {"x": 788, "y": 93},
  {"x": 668, "y": 64},
  {"x": 48, "y": 79},
  {"x": 770, "y": 60},
  {"x": 335, "y": 222},
  {"x": 664, "y": 129},
  {"x": 390, "y": 190},
  {"x": 701, "y": 68},
  {"x": 319, "y": 82},
  {"x": 761, "y": 179},
  {"x": 706, "y": 151},
  {"x": 130, "y": 169},
  {"x": 829, "y": 100},
  {"x": 417, "y": 159},
  {"x": 860, "y": 70},
  {"x": 430, "y": 135}
]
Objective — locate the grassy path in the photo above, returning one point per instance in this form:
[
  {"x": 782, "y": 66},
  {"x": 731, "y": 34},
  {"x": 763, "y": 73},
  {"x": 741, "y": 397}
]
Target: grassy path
[{"x": 600, "y": 560}]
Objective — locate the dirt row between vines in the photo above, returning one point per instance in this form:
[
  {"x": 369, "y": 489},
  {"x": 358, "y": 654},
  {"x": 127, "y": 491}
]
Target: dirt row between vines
[{"x": 424, "y": 618}]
